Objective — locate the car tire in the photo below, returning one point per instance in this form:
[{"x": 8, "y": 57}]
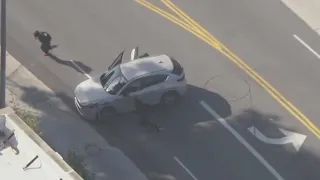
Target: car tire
[
  {"x": 105, "y": 113},
  {"x": 169, "y": 98}
]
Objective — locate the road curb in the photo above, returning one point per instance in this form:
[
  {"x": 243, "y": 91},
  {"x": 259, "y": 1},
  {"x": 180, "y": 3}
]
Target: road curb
[{"x": 12, "y": 65}]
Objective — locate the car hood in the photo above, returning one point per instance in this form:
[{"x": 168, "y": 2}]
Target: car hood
[{"x": 91, "y": 91}]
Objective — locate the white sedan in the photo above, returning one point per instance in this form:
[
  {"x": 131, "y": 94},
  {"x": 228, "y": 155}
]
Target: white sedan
[{"x": 152, "y": 79}]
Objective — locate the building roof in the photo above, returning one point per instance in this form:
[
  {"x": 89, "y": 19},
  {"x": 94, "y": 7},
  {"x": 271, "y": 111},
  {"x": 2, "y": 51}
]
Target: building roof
[
  {"x": 140, "y": 67},
  {"x": 25, "y": 147}
]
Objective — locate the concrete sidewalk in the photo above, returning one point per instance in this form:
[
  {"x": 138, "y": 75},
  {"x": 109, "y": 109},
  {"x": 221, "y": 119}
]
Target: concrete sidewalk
[
  {"x": 62, "y": 129},
  {"x": 307, "y": 10}
]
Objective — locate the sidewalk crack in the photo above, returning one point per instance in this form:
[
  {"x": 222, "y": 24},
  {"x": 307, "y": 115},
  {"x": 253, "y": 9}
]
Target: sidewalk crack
[{"x": 14, "y": 72}]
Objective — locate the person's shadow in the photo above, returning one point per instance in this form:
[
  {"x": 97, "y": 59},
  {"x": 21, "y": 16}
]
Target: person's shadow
[{"x": 76, "y": 65}]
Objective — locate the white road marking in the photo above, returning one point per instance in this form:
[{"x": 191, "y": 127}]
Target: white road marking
[
  {"x": 241, "y": 140},
  {"x": 185, "y": 168},
  {"x": 307, "y": 46},
  {"x": 290, "y": 137},
  {"x": 80, "y": 69}
]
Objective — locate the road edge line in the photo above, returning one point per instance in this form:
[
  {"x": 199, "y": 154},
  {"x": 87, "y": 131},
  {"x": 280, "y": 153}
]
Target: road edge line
[
  {"x": 185, "y": 168},
  {"x": 307, "y": 46}
]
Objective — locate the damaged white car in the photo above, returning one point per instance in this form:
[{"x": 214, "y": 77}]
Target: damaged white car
[{"x": 152, "y": 79}]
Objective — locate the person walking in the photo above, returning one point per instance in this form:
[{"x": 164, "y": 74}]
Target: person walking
[{"x": 45, "y": 40}]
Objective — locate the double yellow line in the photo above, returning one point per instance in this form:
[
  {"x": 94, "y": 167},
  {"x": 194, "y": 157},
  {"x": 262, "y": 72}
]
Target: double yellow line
[{"x": 187, "y": 23}]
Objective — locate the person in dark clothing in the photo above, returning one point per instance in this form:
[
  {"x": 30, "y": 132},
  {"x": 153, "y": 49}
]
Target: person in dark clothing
[
  {"x": 45, "y": 40},
  {"x": 144, "y": 111}
]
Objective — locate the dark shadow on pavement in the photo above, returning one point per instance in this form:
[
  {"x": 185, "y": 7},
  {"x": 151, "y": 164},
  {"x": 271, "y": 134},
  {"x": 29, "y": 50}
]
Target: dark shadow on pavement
[
  {"x": 69, "y": 101},
  {"x": 254, "y": 117},
  {"x": 185, "y": 113},
  {"x": 181, "y": 117},
  {"x": 83, "y": 67},
  {"x": 214, "y": 100},
  {"x": 33, "y": 96}
]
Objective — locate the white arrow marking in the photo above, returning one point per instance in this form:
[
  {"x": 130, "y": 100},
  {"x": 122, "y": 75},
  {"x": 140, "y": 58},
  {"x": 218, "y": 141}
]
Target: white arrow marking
[
  {"x": 290, "y": 137},
  {"x": 241, "y": 140}
]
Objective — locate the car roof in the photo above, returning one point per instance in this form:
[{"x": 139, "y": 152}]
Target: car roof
[{"x": 147, "y": 65}]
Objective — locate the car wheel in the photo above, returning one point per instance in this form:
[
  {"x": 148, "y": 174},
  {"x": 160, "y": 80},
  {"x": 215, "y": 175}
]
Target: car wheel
[
  {"x": 169, "y": 98},
  {"x": 105, "y": 113}
]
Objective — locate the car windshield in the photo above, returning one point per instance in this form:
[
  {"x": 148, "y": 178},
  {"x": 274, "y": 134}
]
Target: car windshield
[
  {"x": 116, "y": 85},
  {"x": 112, "y": 80}
]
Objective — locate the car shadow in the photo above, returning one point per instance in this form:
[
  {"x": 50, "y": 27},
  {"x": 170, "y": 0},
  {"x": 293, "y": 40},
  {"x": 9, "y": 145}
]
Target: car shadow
[{"x": 182, "y": 117}]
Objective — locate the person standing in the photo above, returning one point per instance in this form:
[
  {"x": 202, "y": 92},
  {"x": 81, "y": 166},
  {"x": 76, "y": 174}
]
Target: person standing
[{"x": 45, "y": 40}]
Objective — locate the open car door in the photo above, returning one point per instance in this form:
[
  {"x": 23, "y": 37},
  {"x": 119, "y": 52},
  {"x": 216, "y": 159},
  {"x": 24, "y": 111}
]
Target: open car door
[
  {"x": 117, "y": 61},
  {"x": 134, "y": 53}
]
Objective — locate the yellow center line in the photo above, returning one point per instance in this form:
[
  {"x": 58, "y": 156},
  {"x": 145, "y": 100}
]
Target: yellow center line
[
  {"x": 177, "y": 11},
  {"x": 283, "y": 101},
  {"x": 192, "y": 26},
  {"x": 177, "y": 21},
  {"x": 188, "y": 19}
]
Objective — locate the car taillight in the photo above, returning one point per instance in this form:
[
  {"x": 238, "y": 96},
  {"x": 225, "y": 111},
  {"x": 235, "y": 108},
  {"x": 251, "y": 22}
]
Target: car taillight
[{"x": 182, "y": 78}]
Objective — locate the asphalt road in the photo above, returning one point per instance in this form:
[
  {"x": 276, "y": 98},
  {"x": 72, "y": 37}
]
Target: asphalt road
[{"x": 193, "y": 145}]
